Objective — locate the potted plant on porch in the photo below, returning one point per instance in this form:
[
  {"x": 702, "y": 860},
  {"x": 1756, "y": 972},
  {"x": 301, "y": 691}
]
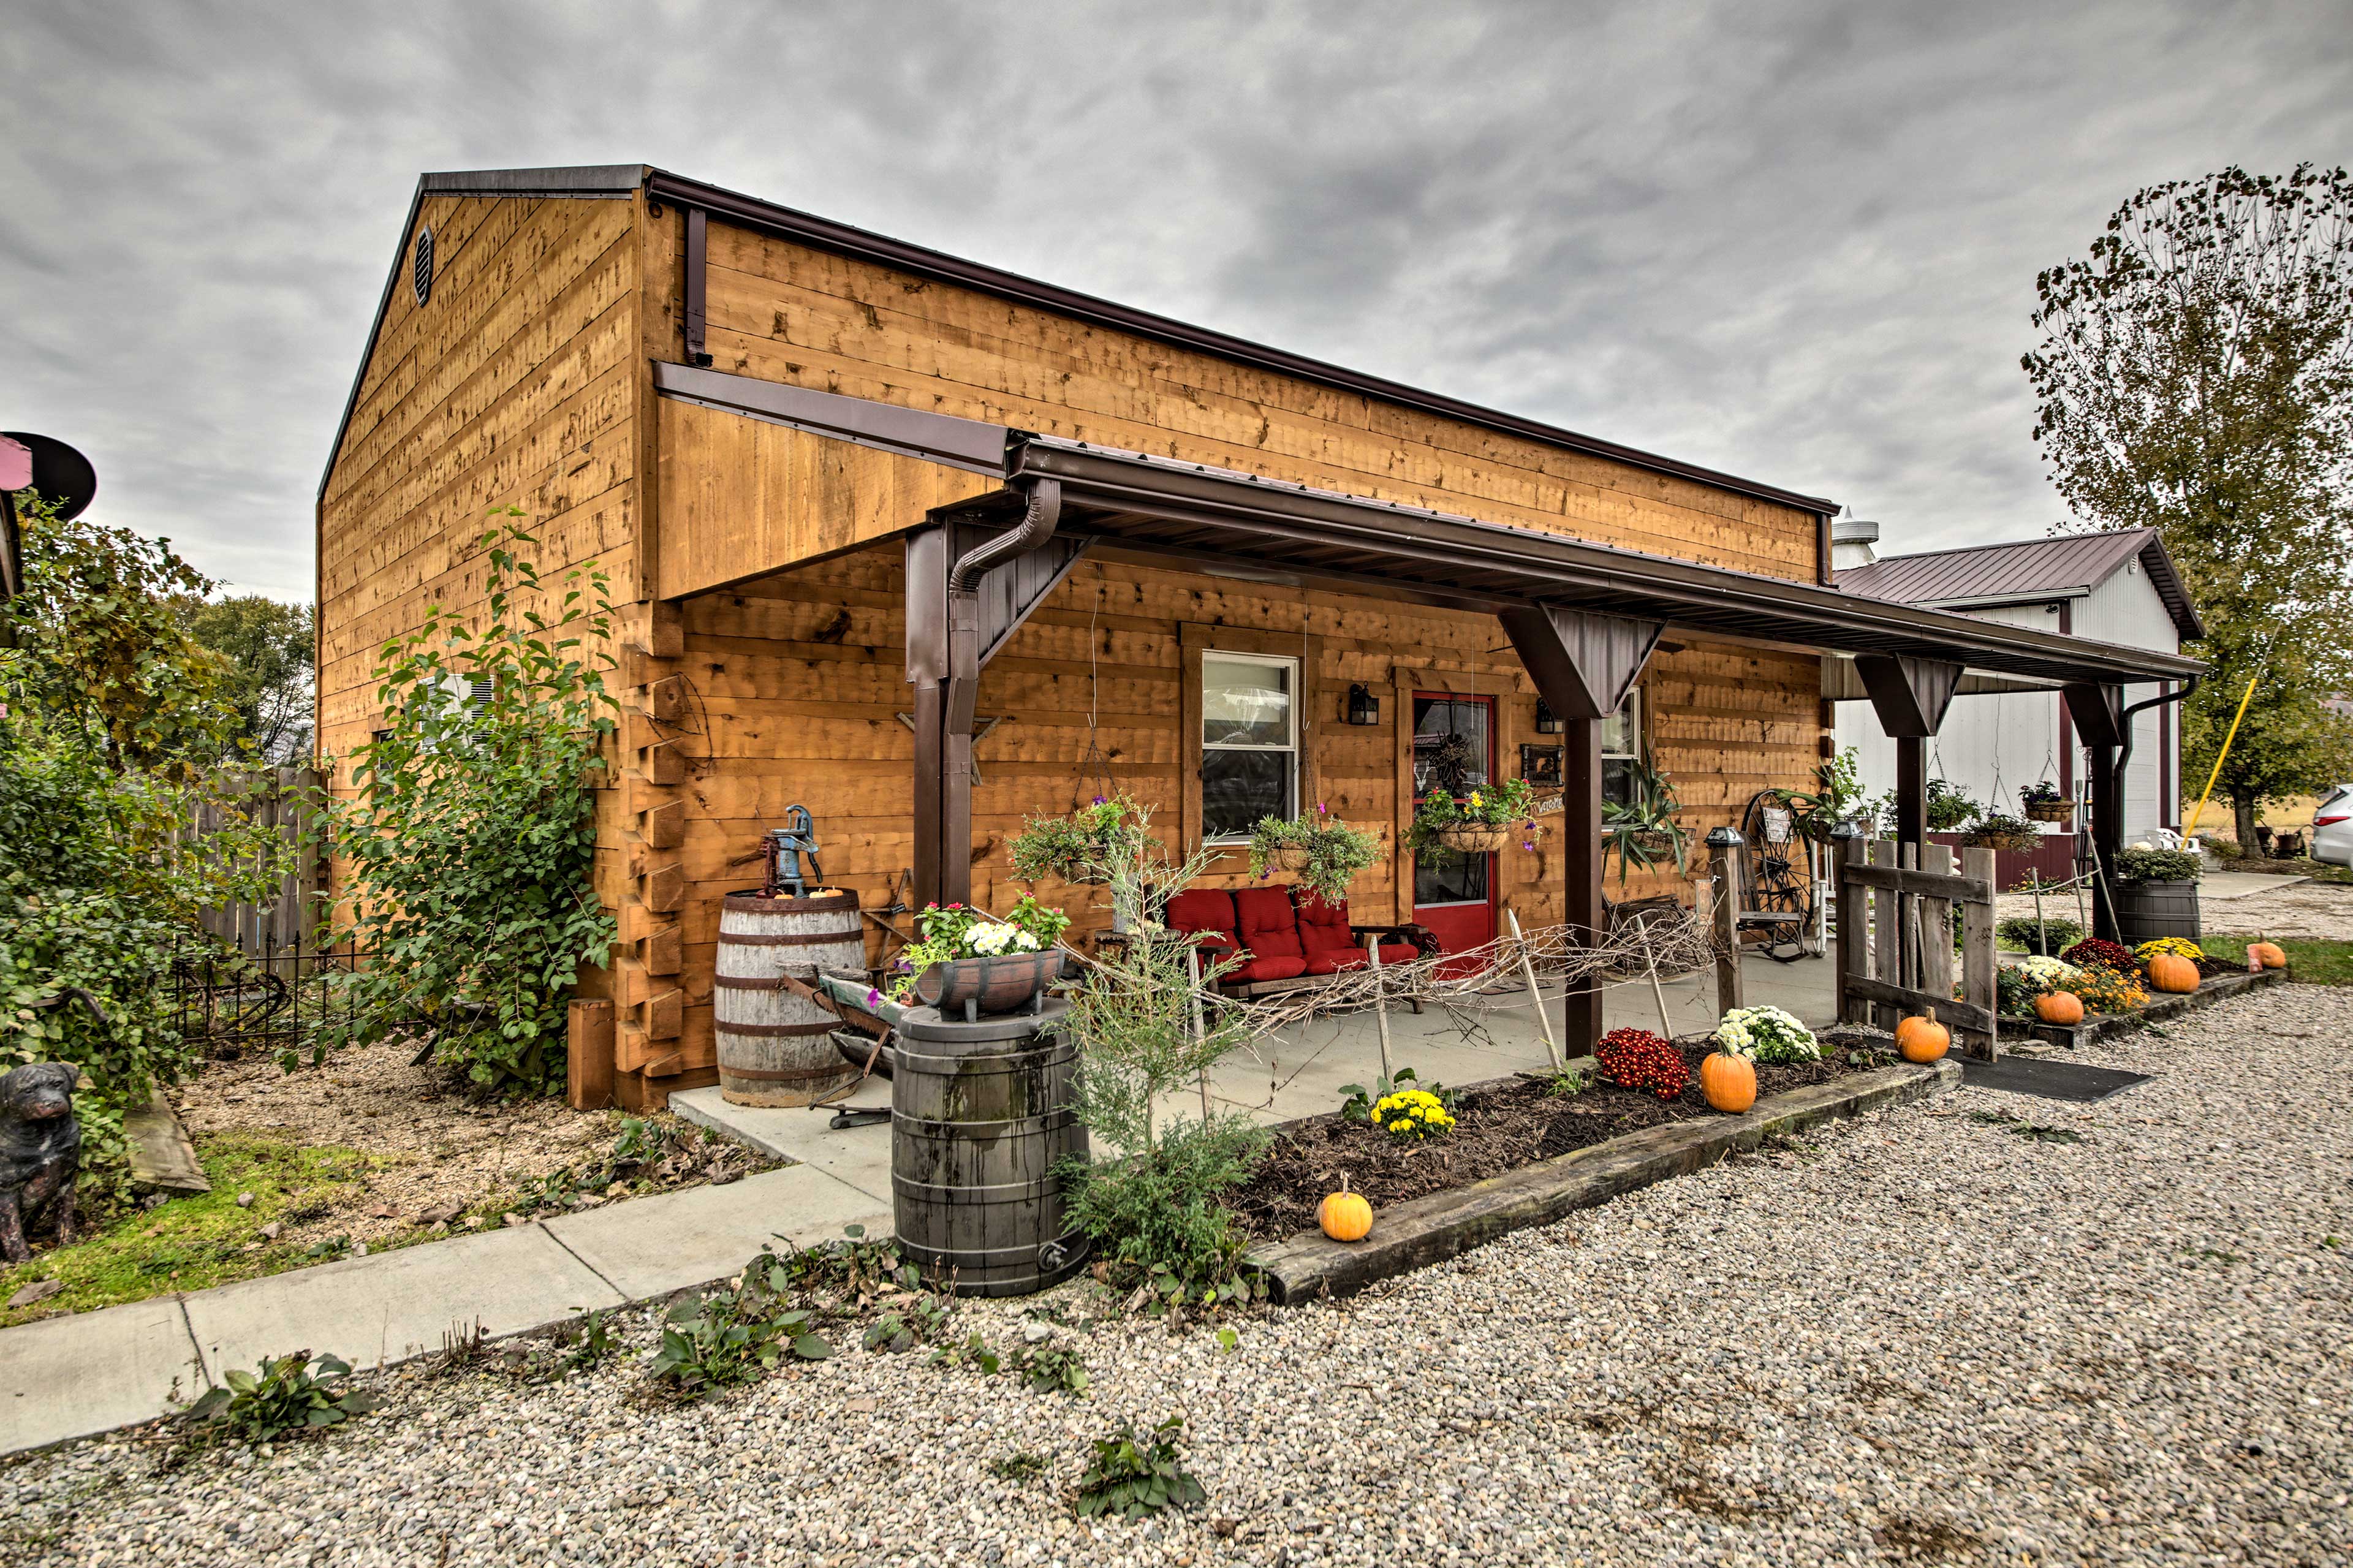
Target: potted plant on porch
[
  {"x": 1079, "y": 847},
  {"x": 1992, "y": 830},
  {"x": 1323, "y": 852},
  {"x": 1644, "y": 830},
  {"x": 967, "y": 958},
  {"x": 1482, "y": 822},
  {"x": 2041, "y": 802}
]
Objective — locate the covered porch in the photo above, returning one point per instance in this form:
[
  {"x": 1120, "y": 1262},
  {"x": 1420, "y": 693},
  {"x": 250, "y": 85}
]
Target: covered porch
[{"x": 1003, "y": 624}]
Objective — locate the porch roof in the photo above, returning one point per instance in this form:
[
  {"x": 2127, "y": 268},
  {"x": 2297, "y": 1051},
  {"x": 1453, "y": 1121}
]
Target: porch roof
[{"x": 1226, "y": 520}]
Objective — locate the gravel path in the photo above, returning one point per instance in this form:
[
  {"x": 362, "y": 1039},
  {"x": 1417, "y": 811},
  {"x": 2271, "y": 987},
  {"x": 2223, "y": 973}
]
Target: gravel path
[{"x": 1919, "y": 1336}]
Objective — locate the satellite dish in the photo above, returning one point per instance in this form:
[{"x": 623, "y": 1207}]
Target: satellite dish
[{"x": 59, "y": 473}]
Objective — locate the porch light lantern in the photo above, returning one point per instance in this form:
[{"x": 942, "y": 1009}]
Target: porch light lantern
[
  {"x": 1547, "y": 721},
  {"x": 1364, "y": 707}
]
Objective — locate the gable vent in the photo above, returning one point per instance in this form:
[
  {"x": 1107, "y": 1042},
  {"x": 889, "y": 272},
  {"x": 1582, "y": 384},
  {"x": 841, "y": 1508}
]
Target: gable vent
[{"x": 422, "y": 275}]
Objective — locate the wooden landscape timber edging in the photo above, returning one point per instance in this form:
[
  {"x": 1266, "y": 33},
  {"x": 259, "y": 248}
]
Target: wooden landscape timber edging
[
  {"x": 2161, "y": 1007},
  {"x": 1426, "y": 1231}
]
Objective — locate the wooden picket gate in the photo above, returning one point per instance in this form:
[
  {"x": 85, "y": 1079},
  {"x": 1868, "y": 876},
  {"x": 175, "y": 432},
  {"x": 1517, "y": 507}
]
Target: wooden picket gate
[
  {"x": 1895, "y": 945},
  {"x": 280, "y": 801}
]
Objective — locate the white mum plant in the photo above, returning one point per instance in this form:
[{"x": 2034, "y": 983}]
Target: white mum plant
[
  {"x": 1766, "y": 1035},
  {"x": 2049, "y": 972}
]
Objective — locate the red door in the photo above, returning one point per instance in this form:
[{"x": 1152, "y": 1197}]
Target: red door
[{"x": 1454, "y": 748}]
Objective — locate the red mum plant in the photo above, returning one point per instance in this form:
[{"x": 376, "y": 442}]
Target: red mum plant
[
  {"x": 2093, "y": 952},
  {"x": 1639, "y": 1060}
]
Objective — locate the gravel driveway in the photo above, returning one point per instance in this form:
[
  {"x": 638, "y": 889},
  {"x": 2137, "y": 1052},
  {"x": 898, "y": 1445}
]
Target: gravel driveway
[{"x": 1919, "y": 1336}]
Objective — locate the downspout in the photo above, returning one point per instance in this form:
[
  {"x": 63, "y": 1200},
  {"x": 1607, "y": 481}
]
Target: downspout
[
  {"x": 1037, "y": 526},
  {"x": 2123, "y": 722}
]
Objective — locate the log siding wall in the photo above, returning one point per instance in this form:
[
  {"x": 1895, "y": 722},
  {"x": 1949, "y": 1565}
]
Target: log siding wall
[{"x": 524, "y": 382}]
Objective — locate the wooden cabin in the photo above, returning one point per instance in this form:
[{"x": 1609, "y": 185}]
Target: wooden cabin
[{"x": 930, "y": 548}]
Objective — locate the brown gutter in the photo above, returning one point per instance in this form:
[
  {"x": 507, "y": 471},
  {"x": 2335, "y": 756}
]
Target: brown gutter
[
  {"x": 863, "y": 244},
  {"x": 1603, "y": 576}
]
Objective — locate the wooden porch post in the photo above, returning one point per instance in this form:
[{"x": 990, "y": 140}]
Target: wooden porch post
[
  {"x": 1583, "y": 665},
  {"x": 1912, "y": 792},
  {"x": 1580, "y": 775},
  {"x": 2096, "y": 712}
]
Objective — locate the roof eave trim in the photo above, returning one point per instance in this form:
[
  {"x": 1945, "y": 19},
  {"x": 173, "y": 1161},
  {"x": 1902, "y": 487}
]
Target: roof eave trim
[{"x": 864, "y": 245}]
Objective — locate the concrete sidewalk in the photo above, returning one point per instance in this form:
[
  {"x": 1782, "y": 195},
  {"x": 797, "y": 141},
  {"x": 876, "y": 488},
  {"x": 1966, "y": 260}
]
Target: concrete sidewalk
[{"x": 92, "y": 1372}]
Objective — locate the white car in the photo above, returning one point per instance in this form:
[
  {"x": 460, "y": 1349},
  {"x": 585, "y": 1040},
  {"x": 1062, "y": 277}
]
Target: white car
[{"x": 2332, "y": 828}]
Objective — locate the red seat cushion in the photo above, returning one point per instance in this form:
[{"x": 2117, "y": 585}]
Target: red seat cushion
[
  {"x": 1399, "y": 952},
  {"x": 1323, "y": 926},
  {"x": 1268, "y": 926},
  {"x": 1206, "y": 909},
  {"x": 1269, "y": 969},
  {"x": 1333, "y": 960}
]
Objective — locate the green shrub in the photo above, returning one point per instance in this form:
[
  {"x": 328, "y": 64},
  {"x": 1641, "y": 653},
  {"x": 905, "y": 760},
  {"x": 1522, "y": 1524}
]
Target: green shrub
[
  {"x": 2050, "y": 936},
  {"x": 1158, "y": 1209},
  {"x": 288, "y": 1394},
  {"x": 1133, "y": 1474},
  {"x": 2156, "y": 865},
  {"x": 471, "y": 835}
]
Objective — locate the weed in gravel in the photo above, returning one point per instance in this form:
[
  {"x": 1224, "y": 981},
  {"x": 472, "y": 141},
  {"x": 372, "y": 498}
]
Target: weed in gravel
[
  {"x": 1133, "y": 1474},
  {"x": 973, "y": 1352},
  {"x": 1020, "y": 1466},
  {"x": 735, "y": 1335},
  {"x": 1049, "y": 1368},
  {"x": 924, "y": 1321},
  {"x": 852, "y": 1272},
  {"x": 588, "y": 1345},
  {"x": 288, "y": 1394}
]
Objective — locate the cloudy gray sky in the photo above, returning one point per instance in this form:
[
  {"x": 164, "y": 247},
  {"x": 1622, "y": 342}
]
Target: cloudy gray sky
[{"x": 1796, "y": 241}]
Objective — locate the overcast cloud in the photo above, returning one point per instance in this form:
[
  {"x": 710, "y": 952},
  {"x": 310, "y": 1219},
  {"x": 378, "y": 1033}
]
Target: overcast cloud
[{"x": 1794, "y": 241}]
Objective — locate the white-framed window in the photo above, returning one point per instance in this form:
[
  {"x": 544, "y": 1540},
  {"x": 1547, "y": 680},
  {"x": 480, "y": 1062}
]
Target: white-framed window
[
  {"x": 1250, "y": 742},
  {"x": 1622, "y": 749}
]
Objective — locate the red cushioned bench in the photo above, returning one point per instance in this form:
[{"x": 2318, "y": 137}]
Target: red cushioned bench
[{"x": 1287, "y": 939}]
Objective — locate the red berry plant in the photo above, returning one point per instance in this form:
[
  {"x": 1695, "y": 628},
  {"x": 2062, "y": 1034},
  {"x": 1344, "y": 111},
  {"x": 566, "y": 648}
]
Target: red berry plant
[
  {"x": 1639, "y": 1060},
  {"x": 2093, "y": 951}
]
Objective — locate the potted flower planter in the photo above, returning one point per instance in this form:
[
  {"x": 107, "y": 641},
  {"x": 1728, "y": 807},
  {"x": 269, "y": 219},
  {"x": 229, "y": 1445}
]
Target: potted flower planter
[
  {"x": 1480, "y": 840},
  {"x": 2051, "y": 810},
  {"x": 1004, "y": 983}
]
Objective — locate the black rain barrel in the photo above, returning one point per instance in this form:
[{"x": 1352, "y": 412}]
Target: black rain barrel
[
  {"x": 980, "y": 1115},
  {"x": 2147, "y": 911}
]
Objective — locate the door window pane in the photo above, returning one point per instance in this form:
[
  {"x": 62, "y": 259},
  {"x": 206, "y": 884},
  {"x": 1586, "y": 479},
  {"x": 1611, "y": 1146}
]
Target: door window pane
[
  {"x": 1240, "y": 787},
  {"x": 1450, "y": 744},
  {"x": 1450, "y": 878}
]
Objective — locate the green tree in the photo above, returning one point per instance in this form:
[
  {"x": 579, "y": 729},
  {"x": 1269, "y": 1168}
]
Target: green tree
[
  {"x": 99, "y": 643},
  {"x": 265, "y": 648},
  {"x": 471, "y": 835},
  {"x": 2195, "y": 378}
]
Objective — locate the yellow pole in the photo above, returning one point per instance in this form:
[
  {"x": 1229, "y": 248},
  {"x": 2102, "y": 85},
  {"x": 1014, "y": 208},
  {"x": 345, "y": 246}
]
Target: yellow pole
[{"x": 2192, "y": 831}]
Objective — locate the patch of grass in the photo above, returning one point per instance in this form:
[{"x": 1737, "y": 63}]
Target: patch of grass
[
  {"x": 197, "y": 1239},
  {"x": 2312, "y": 961}
]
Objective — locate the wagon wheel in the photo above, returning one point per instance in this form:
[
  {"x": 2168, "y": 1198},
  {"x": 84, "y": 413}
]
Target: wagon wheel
[{"x": 1780, "y": 885}]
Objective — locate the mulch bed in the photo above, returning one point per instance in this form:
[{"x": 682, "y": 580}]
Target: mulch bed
[{"x": 1498, "y": 1127}]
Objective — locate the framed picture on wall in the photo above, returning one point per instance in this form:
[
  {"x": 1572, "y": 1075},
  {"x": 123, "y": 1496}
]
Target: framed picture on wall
[{"x": 1540, "y": 765}]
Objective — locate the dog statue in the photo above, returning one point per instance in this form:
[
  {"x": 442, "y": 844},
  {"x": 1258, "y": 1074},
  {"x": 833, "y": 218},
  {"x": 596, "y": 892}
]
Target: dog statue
[{"x": 40, "y": 1152}]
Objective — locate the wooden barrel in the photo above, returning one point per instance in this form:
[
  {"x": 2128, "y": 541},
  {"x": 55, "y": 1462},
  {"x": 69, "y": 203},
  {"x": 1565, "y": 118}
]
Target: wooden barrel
[
  {"x": 981, "y": 1113},
  {"x": 2147, "y": 911},
  {"x": 776, "y": 1048}
]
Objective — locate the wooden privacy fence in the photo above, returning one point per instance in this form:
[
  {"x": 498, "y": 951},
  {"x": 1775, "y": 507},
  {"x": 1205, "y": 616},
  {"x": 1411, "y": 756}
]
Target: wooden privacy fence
[
  {"x": 280, "y": 800},
  {"x": 1896, "y": 939}
]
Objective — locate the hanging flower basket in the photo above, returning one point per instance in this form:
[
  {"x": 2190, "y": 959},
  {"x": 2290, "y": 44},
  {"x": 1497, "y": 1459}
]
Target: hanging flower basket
[
  {"x": 1476, "y": 840},
  {"x": 2051, "y": 810}
]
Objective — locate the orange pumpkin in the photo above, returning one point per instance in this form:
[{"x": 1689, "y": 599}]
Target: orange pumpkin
[
  {"x": 1922, "y": 1039},
  {"x": 1345, "y": 1215},
  {"x": 2267, "y": 953},
  {"x": 1728, "y": 1081},
  {"x": 2172, "y": 971},
  {"x": 2060, "y": 1007}
]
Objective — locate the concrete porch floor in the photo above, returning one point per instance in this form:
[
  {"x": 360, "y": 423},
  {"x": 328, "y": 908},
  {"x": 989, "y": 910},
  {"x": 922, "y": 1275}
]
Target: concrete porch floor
[{"x": 1301, "y": 1074}]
